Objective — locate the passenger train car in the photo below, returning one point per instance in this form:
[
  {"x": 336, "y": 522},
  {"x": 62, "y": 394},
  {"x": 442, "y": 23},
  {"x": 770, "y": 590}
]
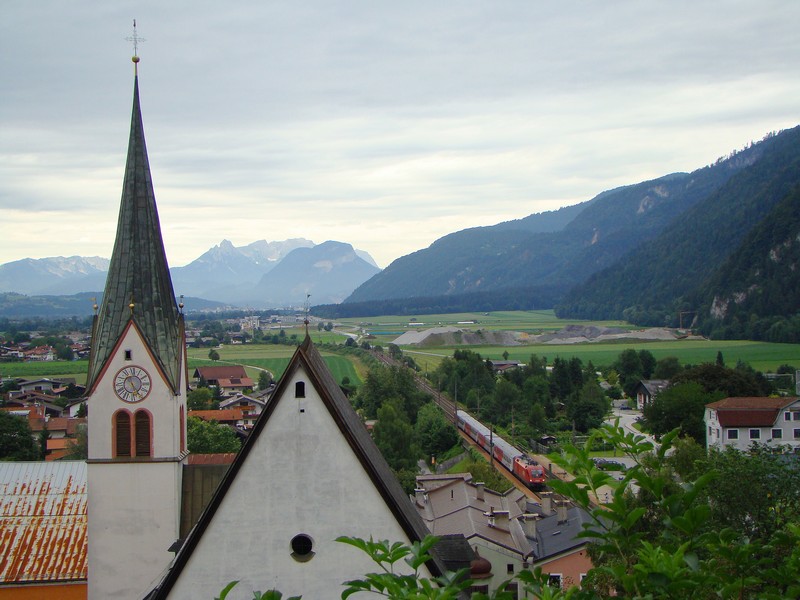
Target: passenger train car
[{"x": 522, "y": 466}]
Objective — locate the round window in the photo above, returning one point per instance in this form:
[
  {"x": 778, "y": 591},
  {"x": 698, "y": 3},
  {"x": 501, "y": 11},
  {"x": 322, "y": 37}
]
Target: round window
[{"x": 302, "y": 547}]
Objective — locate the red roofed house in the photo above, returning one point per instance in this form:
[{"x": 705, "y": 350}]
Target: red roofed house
[
  {"x": 739, "y": 422},
  {"x": 229, "y": 378}
]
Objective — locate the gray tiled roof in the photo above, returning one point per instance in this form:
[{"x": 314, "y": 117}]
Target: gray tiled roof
[{"x": 138, "y": 272}]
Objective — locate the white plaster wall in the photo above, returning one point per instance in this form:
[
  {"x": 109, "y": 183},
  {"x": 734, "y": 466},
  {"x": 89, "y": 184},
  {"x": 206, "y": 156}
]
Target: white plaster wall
[
  {"x": 300, "y": 477},
  {"x": 132, "y": 522}
]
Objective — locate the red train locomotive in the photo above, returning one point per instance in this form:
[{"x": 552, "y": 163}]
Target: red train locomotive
[{"x": 522, "y": 466}]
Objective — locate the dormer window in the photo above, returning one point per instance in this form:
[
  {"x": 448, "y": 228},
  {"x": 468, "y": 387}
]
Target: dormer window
[
  {"x": 300, "y": 389},
  {"x": 128, "y": 355}
]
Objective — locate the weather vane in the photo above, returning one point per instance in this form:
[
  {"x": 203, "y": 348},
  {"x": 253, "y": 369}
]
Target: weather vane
[
  {"x": 135, "y": 39},
  {"x": 307, "y": 309}
]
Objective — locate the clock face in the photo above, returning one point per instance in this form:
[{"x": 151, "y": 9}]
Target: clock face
[{"x": 132, "y": 384}]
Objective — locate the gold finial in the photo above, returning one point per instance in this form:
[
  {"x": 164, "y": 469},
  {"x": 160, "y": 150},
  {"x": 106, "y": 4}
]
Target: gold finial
[
  {"x": 180, "y": 304},
  {"x": 135, "y": 39},
  {"x": 131, "y": 305},
  {"x": 94, "y": 305}
]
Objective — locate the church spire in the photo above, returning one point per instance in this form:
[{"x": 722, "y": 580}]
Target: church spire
[{"x": 138, "y": 288}]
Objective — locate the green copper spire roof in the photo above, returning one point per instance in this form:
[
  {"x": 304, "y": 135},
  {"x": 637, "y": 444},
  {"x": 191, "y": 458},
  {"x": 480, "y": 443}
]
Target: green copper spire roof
[{"x": 138, "y": 287}]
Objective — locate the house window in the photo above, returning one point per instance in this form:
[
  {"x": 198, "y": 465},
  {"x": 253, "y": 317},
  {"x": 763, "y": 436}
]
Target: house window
[
  {"x": 796, "y": 415},
  {"x": 797, "y": 434},
  {"x": 709, "y": 431},
  {"x": 122, "y": 433},
  {"x": 128, "y": 355},
  {"x": 787, "y": 416},
  {"x": 481, "y": 589},
  {"x": 733, "y": 434},
  {"x": 554, "y": 580},
  {"x": 755, "y": 434},
  {"x": 300, "y": 389},
  {"x": 777, "y": 434},
  {"x": 143, "y": 433},
  {"x": 510, "y": 568}
]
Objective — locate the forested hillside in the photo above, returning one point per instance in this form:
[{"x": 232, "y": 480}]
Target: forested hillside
[
  {"x": 682, "y": 269},
  {"x": 756, "y": 292},
  {"x": 534, "y": 262}
]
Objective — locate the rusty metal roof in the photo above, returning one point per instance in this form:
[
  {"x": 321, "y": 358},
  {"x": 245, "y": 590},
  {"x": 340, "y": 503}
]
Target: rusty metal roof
[{"x": 42, "y": 521}]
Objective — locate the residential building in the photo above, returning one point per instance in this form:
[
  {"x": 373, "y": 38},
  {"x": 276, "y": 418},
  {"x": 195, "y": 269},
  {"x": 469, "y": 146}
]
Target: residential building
[
  {"x": 647, "y": 390},
  {"x": 511, "y": 531},
  {"x": 232, "y": 378},
  {"x": 740, "y": 422}
]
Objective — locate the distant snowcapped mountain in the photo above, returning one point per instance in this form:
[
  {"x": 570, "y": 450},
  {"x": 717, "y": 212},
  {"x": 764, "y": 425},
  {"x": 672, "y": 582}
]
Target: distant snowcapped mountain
[
  {"x": 58, "y": 275},
  {"x": 224, "y": 273}
]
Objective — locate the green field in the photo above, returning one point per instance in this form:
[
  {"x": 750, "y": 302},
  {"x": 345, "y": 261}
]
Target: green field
[
  {"x": 273, "y": 358},
  {"x": 762, "y": 356}
]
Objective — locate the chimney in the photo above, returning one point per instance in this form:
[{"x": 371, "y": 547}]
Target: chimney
[
  {"x": 528, "y": 522},
  {"x": 501, "y": 519},
  {"x": 561, "y": 511},
  {"x": 547, "y": 503},
  {"x": 479, "y": 485}
]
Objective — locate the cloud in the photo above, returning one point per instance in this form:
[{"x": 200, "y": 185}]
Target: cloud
[{"x": 386, "y": 125}]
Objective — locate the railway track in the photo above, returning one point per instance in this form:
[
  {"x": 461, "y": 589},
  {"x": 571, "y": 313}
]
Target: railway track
[{"x": 442, "y": 401}]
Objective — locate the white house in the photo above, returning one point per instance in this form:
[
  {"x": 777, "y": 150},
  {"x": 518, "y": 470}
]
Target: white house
[{"x": 739, "y": 422}]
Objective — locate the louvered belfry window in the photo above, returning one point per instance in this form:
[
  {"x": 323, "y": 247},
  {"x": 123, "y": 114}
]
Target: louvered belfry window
[
  {"x": 122, "y": 427},
  {"x": 142, "y": 433}
]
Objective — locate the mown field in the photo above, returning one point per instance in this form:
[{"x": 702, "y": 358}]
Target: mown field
[
  {"x": 765, "y": 357},
  {"x": 273, "y": 358},
  {"x": 762, "y": 356}
]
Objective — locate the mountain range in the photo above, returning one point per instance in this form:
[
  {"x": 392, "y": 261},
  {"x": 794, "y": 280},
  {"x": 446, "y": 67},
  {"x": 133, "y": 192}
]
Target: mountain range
[
  {"x": 259, "y": 275},
  {"x": 717, "y": 248},
  {"x": 701, "y": 246}
]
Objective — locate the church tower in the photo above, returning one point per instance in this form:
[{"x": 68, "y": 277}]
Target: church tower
[{"x": 136, "y": 389}]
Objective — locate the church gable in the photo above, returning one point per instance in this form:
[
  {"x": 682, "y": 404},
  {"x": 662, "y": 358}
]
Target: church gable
[{"x": 308, "y": 473}]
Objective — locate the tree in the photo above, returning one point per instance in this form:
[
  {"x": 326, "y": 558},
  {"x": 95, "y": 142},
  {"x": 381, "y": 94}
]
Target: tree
[
  {"x": 629, "y": 367},
  {"x": 16, "y": 439},
  {"x": 667, "y": 368},
  {"x": 739, "y": 382},
  {"x": 394, "y": 436},
  {"x": 589, "y": 408},
  {"x": 680, "y": 406},
  {"x": 264, "y": 380},
  {"x": 433, "y": 433},
  {"x": 209, "y": 437},
  {"x": 200, "y": 399},
  {"x": 392, "y": 384},
  {"x": 667, "y": 546},
  {"x": 214, "y": 355},
  {"x": 648, "y": 362},
  {"x": 772, "y": 485},
  {"x": 78, "y": 447}
]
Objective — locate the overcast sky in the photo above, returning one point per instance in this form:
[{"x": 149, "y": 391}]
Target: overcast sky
[{"x": 383, "y": 124}]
